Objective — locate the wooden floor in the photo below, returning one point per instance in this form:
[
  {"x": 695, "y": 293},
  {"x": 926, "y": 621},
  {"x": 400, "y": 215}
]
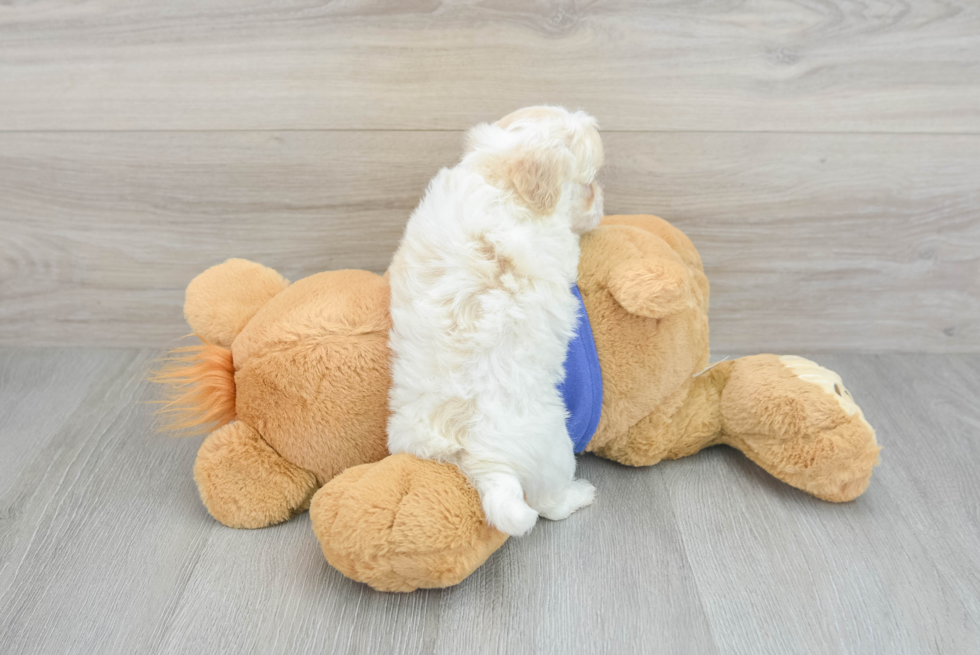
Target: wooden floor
[{"x": 105, "y": 547}]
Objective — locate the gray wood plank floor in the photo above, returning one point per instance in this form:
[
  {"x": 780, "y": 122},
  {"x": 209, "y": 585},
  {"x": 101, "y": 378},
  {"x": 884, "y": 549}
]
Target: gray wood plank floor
[{"x": 105, "y": 547}]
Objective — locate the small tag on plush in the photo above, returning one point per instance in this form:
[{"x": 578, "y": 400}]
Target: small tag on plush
[{"x": 708, "y": 368}]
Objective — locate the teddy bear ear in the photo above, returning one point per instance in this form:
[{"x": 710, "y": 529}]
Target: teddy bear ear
[
  {"x": 221, "y": 300},
  {"x": 654, "y": 288}
]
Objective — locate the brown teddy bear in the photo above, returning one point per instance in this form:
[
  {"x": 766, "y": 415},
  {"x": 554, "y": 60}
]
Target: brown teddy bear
[{"x": 294, "y": 377}]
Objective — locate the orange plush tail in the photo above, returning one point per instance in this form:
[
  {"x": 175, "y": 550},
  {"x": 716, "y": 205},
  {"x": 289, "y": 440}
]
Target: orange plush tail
[{"x": 201, "y": 388}]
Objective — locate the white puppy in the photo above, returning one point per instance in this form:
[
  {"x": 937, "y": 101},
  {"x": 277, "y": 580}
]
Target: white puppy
[{"x": 483, "y": 310}]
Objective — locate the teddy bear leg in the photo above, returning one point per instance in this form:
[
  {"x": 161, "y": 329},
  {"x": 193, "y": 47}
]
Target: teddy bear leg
[
  {"x": 796, "y": 419},
  {"x": 403, "y": 523},
  {"x": 244, "y": 483}
]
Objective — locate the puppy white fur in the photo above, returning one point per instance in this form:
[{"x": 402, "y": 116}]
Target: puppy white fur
[{"x": 482, "y": 313}]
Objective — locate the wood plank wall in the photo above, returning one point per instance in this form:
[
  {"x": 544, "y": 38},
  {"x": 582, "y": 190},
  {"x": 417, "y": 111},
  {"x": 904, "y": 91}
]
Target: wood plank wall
[{"x": 824, "y": 156}]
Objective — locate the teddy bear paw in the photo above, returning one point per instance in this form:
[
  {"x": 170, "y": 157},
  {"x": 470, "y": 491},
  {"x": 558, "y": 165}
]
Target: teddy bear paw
[
  {"x": 829, "y": 381},
  {"x": 403, "y": 523}
]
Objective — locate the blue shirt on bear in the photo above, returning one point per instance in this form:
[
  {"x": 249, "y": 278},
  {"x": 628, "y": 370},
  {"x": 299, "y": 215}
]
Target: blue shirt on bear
[{"x": 582, "y": 387}]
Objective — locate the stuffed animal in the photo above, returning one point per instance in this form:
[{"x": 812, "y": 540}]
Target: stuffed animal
[{"x": 294, "y": 378}]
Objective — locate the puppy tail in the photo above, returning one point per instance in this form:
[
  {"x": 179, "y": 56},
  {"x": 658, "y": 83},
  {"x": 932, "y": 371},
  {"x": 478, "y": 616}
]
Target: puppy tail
[
  {"x": 200, "y": 388},
  {"x": 504, "y": 505}
]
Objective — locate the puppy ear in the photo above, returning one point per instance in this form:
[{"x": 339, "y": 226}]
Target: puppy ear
[
  {"x": 535, "y": 176},
  {"x": 532, "y": 172}
]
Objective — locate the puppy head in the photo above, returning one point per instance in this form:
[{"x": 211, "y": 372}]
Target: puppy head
[{"x": 547, "y": 159}]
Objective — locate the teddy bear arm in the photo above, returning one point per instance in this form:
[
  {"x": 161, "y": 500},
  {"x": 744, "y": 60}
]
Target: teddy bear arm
[
  {"x": 221, "y": 300},
  {"x": 653, "y": 288}
]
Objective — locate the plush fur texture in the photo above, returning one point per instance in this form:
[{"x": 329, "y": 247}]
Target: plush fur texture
[
  {"x": 378, "y": 524},
  {"x": 201, "y": 388},
  {"x": 482, "y": 313},
  {"x": 311, "y": 371},
  {"x": 220, "y": 301},
  {"x": 244, "y": 483},
  {"x": 314, "y": 361},
  {"x": 305, "y": 382}
]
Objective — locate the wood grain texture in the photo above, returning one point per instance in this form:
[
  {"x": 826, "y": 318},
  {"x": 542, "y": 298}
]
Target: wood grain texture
[
  {"x": 816, "y": 242},
  {"x": 786, "y": 65},
  {"x": 897, "y": 571},
  {"x": 105, "y": 547},
  {"x": 38, "y": 392},
  {"x": 820, "y": 243}
]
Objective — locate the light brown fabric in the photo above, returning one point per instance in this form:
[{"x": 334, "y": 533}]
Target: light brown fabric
[
  {"x": 221, "y": 300},
  {"x": 312, "y": 371},
  {"x": 311, "y": 381},
  {"x": 245, "y": 484},
  {"x": 307, "y": 377},
  {"x": 653, "y": 288},
  {"x": 797, "y": 431},
  {"x": 646, "y": 362},
  {"x": 403, "y": 523}
]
